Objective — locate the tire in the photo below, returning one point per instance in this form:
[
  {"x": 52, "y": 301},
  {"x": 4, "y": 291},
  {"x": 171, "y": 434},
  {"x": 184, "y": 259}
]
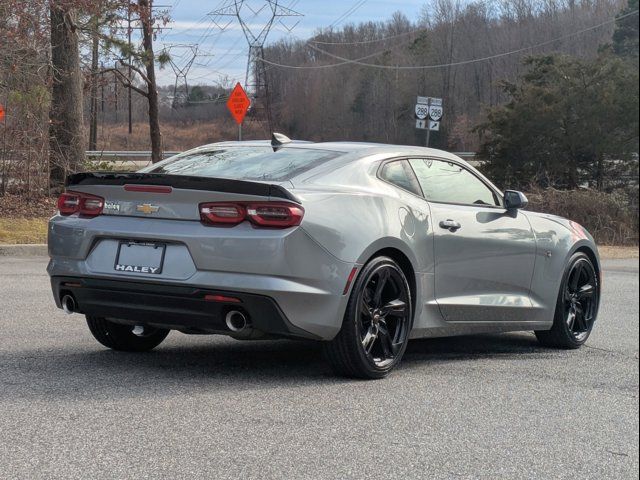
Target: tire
[
  {"x": 576, "y": 306},
  {"x": 122, "y": 337},
  {"x": 376, "y": 326}
]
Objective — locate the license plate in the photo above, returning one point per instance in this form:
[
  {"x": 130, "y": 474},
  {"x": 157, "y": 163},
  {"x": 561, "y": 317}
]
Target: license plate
[{"x": 140, "y": 257}]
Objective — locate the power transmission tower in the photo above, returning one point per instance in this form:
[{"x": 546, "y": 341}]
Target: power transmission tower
[
  {"x": 181, "y": 58},
  {"x": 256, "y": 18}
]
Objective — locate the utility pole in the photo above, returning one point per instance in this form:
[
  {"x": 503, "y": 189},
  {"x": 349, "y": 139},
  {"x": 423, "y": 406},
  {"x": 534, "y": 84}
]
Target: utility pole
[
  {"x": 93, "y": 106},
  {"x": 102, "y": 87},
  {"x": 129, "y": 68},
  {"x": 115, "y": 94}
]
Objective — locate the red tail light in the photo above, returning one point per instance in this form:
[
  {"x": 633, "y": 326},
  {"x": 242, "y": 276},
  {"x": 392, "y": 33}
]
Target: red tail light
[
  {"x": 222, "y": 213},
  {"x": 267, "y": 214},
  {"x": 281, "y": 215},
  {"x": 84, "y": 204}
]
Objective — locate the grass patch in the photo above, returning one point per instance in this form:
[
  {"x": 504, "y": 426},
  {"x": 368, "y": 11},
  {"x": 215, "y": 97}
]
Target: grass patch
[
  {"x": 608, "y": 252},
  {"x": 23, "y": 230}
]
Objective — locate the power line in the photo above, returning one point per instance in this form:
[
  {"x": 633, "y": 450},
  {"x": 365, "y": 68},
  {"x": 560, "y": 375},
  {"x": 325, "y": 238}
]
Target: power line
[
  {"x": 374, "y": 40},
  {"x": 358, "y": 61},
  {"x": 348, "y": 13}
]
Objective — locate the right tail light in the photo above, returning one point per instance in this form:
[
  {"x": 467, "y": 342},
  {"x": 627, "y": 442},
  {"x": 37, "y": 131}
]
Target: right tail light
[{"x": 264, "y": 214}]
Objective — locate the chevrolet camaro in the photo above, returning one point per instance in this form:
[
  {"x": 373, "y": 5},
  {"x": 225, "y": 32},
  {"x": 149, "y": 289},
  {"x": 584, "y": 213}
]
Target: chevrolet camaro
[{"x": 359, "y": 246}]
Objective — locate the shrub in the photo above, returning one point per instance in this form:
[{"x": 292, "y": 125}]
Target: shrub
[{"x": 612, "y": 218}]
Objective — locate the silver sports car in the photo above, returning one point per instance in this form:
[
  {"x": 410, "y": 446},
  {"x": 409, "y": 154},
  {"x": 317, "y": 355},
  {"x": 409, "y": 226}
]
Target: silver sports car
[{"x": 359, "y": 246}]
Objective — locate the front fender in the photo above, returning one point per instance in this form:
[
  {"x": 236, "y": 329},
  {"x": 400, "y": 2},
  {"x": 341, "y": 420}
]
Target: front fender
[{"x": 557, "y": 239}]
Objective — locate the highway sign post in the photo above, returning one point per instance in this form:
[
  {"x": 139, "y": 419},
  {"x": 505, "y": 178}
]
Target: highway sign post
[
  {"x": 429, "y": 112},
  {"x": 238, "y": 104}
]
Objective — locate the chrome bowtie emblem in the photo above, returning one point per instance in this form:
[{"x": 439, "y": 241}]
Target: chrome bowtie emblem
[{"x": 147, "y": 208}]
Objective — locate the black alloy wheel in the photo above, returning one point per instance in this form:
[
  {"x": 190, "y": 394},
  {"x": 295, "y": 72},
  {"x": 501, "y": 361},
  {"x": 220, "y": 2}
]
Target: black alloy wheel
[
  {"x": 577, "y": 306},
  {"x": 377, "y": 322},
  {"x": 581, "y": 299},
  {"x": 127, "y": 338}
]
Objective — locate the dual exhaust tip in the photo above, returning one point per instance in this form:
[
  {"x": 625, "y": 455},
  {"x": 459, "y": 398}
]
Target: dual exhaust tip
[
  {"x": 69, "y": 305},
  {"x": 236, "y": 321}
]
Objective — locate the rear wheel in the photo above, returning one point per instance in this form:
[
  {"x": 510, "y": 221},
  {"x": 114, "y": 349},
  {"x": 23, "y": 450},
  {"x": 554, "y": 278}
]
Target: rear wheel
[
  {"x": 577, "y": 305},
  {"x": 377, "y": 322},
  {"x": 125, "y": 338}
]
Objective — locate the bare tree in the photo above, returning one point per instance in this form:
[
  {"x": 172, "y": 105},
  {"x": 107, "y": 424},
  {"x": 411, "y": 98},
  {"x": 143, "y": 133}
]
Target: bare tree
[{"x": 139, "y": 64}]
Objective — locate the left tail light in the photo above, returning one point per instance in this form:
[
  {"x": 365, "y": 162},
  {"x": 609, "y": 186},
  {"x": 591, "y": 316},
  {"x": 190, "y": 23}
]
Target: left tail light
[
  {"x": 86, "y": 205},
  {"x": 265, "y": 215}
]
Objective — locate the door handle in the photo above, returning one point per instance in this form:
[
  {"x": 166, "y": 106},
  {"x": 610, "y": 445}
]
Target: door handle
[{"x": 449, "y": 224}]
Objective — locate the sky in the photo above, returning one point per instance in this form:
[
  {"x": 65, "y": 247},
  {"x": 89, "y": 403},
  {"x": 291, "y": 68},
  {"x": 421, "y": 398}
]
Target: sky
[{"x": 223, "y": 51}]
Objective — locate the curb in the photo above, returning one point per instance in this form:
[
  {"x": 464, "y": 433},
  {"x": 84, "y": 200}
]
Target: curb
[
  {"x": 27, "y": 250},
  {"x": 40, "y": 250}
]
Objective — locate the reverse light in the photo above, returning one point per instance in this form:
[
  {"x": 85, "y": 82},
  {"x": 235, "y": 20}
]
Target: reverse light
[
  {"x": 86, "y": 205},
  {"x": 222, "y": 213},
  {"x": 266, "y": 214}
]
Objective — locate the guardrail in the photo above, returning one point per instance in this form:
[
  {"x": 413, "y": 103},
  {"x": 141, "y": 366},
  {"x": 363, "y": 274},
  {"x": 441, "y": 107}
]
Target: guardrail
[
  {"x": 125, "y": 159},
  {"x": 124, "y": 154}
]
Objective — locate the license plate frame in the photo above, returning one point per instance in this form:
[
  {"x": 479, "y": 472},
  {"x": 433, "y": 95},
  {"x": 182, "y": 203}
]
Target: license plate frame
[{"x": 152, "y": 260}]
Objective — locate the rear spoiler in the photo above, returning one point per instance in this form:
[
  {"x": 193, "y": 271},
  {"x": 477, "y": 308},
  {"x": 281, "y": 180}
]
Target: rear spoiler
[{"x": 243, "y": 187}]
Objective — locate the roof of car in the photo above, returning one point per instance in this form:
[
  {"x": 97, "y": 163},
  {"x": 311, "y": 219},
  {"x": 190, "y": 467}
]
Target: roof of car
[{"x": 343, "y": 147}]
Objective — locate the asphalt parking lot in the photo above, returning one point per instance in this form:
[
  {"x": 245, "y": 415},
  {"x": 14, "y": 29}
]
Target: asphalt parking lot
[{"x": 492, "y": 406}]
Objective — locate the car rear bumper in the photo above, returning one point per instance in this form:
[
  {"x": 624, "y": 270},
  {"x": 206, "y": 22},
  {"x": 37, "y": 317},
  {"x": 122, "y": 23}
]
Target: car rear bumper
[
  {"x": 178, "y": 307},
  {"x": 287, "y": 266}
]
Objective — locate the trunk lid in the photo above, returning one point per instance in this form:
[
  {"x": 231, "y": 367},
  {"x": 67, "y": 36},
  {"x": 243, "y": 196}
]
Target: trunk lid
[{"x": 170, "y": 196}]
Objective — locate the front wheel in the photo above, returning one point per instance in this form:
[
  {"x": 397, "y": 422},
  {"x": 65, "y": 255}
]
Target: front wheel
[
  {"x": 125, "y": 338},
  {"x": 577, "y": 306},
  {"x": 376, "y": 325}
]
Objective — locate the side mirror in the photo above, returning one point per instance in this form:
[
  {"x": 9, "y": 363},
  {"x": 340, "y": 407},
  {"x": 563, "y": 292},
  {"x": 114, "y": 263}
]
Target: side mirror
[{"x": 514, "y": 200}]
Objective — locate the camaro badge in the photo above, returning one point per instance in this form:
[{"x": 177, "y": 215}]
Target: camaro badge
[
  {"x": 147, "y": 208},
  {"x": 112, "y": 206}
]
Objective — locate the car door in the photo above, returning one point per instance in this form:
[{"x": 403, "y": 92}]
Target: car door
[{"x": 484, "y": 254}]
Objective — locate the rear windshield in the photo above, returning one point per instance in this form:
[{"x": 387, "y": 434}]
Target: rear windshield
[{"x": 244, "y": 163}]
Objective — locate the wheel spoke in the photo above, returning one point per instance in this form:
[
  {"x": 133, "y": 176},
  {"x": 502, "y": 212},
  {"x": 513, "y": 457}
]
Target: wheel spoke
[
  {"x": 575, "y": 278},
  {"x": 581, "y": 321},
  {"x": 394, "y": 307},
  {"x": 386, "y": 342},
  {"x": 567, "y": 294},
  {"x": 369, "y": 339},
  {"x": 586, "y": 291},
  {"x": 383, "y": 276},
  {"x": 365, "y": 305},
  {"x": 571, "y": 320}
]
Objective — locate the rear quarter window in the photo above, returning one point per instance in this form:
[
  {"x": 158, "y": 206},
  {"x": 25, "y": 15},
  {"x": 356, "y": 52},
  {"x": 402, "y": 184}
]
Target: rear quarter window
[{"x": 399, "y": 173}]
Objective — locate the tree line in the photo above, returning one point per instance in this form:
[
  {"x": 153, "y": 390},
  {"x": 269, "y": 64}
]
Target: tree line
[
  {"x": 545, "y": 90},
  {"x": 45, "y": 78},
  {"x": 562, "y": 114}
]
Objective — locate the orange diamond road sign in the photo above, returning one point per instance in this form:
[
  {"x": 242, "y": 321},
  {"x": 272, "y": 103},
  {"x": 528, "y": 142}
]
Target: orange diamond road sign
[
  {"x": 238, "y": 104},
  {"x": 1, "y": 112}
]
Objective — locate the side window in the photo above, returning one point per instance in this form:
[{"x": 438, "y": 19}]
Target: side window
[
  {"x": 400, "y": 174},
  {"x": 446, "y": 182}
]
